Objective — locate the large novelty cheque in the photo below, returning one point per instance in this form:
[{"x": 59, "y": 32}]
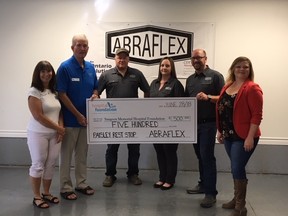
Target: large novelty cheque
[{"x": 145, "y": 120}]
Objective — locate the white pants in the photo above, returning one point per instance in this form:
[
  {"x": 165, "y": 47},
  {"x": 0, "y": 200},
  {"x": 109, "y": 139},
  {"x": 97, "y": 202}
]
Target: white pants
[{"x": 44, "y": 152}]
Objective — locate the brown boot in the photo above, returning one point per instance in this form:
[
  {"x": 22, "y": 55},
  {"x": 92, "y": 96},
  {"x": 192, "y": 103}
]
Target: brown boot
[
  {"x": 240, "y": 198},
  {"x": 242, "y": 212},
  {"x": 231, "y": 204}
]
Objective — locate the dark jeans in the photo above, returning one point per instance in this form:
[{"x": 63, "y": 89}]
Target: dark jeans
[
  {"x": 204, "y": 150},
  {"x": 238, "y": 156},
  {"x": 167, "y": 161},
  {"x": 112, "y": 156}
]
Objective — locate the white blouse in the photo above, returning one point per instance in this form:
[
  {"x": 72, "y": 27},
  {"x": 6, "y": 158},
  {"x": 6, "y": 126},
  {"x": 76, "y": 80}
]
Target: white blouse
[{"x": 51, "y": 108}]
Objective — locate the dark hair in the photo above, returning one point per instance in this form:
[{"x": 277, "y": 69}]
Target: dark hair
[
  {"x": 173, "y": 69},
  {"x": 36, "y": 81},
  {"x": 231, "y": 75}
]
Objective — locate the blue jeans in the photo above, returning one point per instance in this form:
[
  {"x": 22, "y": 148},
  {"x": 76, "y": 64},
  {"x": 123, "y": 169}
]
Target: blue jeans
[
  {"x": 112, "y": 156},
  {"x": 204, "y": 150},
  {"x": 238, "y": 156}
]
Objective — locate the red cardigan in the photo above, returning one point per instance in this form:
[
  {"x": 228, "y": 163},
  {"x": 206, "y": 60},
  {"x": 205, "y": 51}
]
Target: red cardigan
[{"x": 248, "y": 108}]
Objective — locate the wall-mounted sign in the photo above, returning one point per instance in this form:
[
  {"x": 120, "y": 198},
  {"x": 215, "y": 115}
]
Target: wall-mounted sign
[{"x": 148, "y": 44}]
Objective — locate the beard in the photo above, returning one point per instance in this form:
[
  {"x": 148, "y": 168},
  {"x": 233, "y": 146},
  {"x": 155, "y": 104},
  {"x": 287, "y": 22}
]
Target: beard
[{"x": 198, "y": 66}]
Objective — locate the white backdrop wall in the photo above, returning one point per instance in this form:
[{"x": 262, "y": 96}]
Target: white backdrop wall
[
  {"x": 36, "y": 30},
  {"x": 33, "y": 30}
]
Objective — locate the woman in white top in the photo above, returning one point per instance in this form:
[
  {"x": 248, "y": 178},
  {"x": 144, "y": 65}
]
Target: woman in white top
[{"x": 45, "y": 132}]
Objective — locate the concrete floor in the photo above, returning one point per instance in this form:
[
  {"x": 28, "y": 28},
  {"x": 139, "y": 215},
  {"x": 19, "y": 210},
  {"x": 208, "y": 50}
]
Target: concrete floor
[{"x": 267, "y": 196}]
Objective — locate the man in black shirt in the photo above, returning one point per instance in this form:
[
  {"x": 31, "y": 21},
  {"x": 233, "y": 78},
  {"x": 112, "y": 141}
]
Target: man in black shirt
[
  {"x": 122, "y": 82},
  {"x": 205, "y": 84}
]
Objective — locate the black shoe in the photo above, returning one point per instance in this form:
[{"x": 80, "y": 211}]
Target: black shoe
[
  {"x": 208, "y": 201},
  {"x": 166, "y": 188},
  {"x": 157, "y": 185},
  {"x": 198, "y": 189}
]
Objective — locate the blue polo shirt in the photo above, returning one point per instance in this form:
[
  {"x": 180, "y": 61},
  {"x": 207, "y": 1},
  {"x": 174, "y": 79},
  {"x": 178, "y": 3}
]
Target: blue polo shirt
[{"x": 78, "y": 83}]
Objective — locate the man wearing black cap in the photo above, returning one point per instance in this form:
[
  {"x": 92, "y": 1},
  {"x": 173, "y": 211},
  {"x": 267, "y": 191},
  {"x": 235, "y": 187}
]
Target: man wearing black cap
[{"x": 122, "y": 81}]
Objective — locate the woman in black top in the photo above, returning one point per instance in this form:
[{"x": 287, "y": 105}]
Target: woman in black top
[{"x": 166, "y": 85}]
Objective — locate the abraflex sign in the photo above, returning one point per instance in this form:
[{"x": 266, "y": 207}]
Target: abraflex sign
[{"x": 148, "y": 44}]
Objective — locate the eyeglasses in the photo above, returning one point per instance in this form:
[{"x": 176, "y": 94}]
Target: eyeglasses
[
  {"x": 84, "y": 46},
  {"x": 197, "y": 57}
]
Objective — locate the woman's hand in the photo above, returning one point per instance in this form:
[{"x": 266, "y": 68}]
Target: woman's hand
[
  {"x": 61, "y": 130},
  {"x": 59, "y": 138},
  {"x": 220, "y": 137},
  {"x": 60, "y": 134},
  {"x": 248, "y": 144}
]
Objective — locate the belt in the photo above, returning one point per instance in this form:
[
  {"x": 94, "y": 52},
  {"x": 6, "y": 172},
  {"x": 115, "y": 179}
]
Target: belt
[{"x": 201, "y": 121}]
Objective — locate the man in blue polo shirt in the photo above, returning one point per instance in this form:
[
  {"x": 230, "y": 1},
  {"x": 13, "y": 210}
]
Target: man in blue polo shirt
[
  {"x": 76, "y": 81},
  {"x": 122, "y": 82}
]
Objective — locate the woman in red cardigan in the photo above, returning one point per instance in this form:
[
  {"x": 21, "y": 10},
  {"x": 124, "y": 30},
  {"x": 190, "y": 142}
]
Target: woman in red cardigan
[{"x": 238, "y": 115}]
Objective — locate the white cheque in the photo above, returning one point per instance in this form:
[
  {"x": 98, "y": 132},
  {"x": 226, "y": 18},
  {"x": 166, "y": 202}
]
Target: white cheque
[{"x": 142, "y": 120}]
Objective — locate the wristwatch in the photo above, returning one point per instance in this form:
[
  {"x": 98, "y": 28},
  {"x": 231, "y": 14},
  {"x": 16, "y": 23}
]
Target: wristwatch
[{"x": 209, "y": 97}]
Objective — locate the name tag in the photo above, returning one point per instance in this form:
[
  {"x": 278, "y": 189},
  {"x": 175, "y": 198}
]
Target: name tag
[
  {"x": 208, "y": 78},
  {"x": 168, "y": 88},
  {"x": 75, "y": 79},
  {"x": 133, "y": 76}
]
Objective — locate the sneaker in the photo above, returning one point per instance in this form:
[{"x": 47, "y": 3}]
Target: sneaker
[
  {"x": 208, "y": 201},
  {"x": 198, "y": 189},
  {"x": 109, "y": 181},
  {"x": 134, "y": 179}
]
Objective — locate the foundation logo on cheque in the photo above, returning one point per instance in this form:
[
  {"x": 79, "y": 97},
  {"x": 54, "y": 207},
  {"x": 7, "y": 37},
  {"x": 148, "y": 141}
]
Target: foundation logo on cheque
[
  {"x": 104, "y": 107},
  {"x": 148, "y": 44}
]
